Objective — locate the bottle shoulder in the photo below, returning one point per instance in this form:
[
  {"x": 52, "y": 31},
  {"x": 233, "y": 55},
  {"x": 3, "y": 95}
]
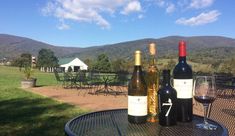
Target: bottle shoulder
[
  {"x": 183, "y": 66},
  {"x": 182, "y": 70},
  {"x": 167, "y": 90},
  {"x": 137, "y": 85}
]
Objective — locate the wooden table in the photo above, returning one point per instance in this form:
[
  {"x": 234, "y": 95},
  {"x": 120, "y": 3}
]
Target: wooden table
[{"x": 115, "y": 123}]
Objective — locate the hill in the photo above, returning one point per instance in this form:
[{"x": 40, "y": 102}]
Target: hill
[
  {"x": 12, "y": 46},
  {"x": 167, "y": 47},
  {"x": 214, "y": 46}
]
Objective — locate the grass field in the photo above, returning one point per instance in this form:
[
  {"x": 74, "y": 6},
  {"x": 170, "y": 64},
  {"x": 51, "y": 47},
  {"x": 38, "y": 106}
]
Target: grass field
[{"x": 26, "y": 114}]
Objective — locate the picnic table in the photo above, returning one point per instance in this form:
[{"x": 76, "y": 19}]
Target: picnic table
[{"x": 106, "y": 80}]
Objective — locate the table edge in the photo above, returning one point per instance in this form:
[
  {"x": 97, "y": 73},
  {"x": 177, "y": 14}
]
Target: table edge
[{"x": 70, "y": 133}]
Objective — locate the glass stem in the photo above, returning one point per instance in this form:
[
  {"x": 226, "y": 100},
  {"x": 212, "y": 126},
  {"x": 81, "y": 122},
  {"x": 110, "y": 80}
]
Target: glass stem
[{"x": 205, "y": 113}]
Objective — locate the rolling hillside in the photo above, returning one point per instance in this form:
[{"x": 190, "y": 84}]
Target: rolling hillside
[
  {"x": 215, "y": 46},
  {"x": 12, "y": 46},
  {"x": 166, "y": 47}
]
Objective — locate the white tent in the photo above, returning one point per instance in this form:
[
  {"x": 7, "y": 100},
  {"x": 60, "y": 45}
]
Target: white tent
[{"x": 76, "y": 64}]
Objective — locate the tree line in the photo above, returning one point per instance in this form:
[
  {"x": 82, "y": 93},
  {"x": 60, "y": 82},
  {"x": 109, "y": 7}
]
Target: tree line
[
  {"x": 102, "y": 63},
  {"x": 46, "y": 58}
]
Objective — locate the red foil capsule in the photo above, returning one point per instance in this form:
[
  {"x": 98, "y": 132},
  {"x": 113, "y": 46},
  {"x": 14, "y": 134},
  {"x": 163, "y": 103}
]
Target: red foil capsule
[{"x": 182, "y": 48}]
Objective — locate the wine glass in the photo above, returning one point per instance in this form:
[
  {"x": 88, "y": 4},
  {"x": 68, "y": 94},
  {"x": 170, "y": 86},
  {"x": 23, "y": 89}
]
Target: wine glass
[{"x": 205, "y": 93}]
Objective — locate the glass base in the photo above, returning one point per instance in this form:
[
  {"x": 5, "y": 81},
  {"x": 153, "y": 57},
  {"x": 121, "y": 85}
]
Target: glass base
[{"x": 206, "y": 126}]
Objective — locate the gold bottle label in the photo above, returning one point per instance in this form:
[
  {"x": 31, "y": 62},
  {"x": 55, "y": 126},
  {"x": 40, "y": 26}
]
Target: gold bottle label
[{"x": 152, "y": 100}]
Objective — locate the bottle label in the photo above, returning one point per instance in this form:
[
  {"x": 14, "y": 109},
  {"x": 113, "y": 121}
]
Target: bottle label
[
  {"x": 167, "y": 104},
  {"x": 184, "y": 88},
  {"x": 137, "y": 105}
]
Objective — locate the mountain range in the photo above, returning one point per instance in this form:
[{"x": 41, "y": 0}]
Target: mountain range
[{"x": 12, "y": 46}]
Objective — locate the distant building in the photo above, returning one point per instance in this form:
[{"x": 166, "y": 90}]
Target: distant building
[
  {"x": 75, "y": 63},
  {"x": 33, "y": 61}
]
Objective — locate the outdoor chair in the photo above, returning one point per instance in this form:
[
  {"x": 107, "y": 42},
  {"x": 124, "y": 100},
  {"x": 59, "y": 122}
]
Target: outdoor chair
[
  {"x": 82, "y": 79},
  {"x": 68, "y": 80},
  {"x": 223, "y": 110},
  {"x": 85, "y": 82},
  {"x": 225, "y": 85},
  {"x": 94, "y": 82},
  {"x": 120, "y": 83},
  {"x": 59, "y": 79}
]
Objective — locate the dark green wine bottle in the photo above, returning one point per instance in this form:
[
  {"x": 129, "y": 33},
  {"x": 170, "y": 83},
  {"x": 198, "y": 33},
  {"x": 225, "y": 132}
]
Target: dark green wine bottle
[{"x": 167, "y": 98}]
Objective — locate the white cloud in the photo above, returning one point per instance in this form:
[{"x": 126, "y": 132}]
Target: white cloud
[
  {"x": 160, "y": 3},
  {"x": 197, "y": 4},
  {"x": 97, "y": 11},
  {"x": 170, "y": 8},
  {"x": 63, "y": 26},
  {"x": 201, "y": 19},
  {"x": 167, "y": 5},
  {"x": 183, "y": 4},
  {"x": 133, "y": 6},
  {"x": 91, "y": 11}
]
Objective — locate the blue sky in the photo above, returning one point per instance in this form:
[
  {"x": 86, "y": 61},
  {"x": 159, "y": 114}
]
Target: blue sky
[{"x": 84, "y": 23}]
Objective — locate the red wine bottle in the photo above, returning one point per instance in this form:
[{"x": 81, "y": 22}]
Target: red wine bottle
[
  {"x": 183, "y": 83},
  {"x": 137, "y": 94},
  {"x": 167, "y": 99}
]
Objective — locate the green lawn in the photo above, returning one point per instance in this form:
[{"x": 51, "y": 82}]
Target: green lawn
[{"x": 26, "y": 114}]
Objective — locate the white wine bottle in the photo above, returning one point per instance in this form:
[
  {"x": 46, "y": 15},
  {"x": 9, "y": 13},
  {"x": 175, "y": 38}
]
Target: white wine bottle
[{"x": 137, "y": 94}]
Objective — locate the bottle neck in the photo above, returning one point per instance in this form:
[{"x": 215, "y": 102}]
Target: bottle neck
[
  {"x": 166, "y": 81},
  {"x": 182, "y": 59},
  {"x": 137, "y": 71},
  {"x": 137, "y": 68},
  {"x": 152, "y": 60}
]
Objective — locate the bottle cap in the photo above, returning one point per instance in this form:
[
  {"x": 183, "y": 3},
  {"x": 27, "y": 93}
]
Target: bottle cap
[
  {"x": 182, "y": 48},
  {"x": 137, "y": 58},
  {"x": 152, "y": 48}
]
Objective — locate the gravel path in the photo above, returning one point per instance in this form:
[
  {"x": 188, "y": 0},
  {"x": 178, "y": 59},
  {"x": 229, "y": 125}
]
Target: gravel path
[
  {"x": 82, "y": 99},
  {"x": 88, "y": 101}
]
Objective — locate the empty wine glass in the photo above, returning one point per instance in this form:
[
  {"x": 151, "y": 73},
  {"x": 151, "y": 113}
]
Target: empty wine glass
[{"x": 205, "y": 93}]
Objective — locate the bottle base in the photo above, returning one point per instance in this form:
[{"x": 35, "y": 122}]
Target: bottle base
[
  {"x": 137, "y": 119},
  {"x": 152, "y": 119}
]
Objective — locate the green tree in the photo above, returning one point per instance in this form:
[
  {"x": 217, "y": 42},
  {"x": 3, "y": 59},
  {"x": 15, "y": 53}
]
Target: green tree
[
  {"x": 24, "y": 60},
  {"x": 46, "y": 58},
  {"x": 228, "y": 66},
  {"x": 215, "y": 65},
  {"x": 88, "y": 62},
  {"x": 119, "y": 65},
  {"x": 171, "y": 64},
  {"x": 102, "y": 64}
]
